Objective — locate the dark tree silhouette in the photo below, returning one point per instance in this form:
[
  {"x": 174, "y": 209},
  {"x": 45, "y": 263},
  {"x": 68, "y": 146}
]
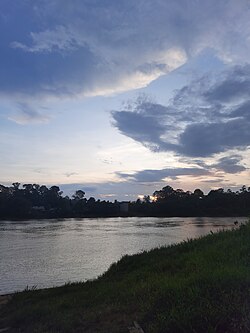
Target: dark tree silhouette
[{"x": 39, "y": 201}]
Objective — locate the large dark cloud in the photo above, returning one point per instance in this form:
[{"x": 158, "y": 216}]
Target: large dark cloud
[
  {"x": 63, "y": 47},
  {"x": 208, "y": 139},
  {"x": 144, "y": 124},
  {"x": 207, "y": 117},
  {"x": 233, "y": 86}
]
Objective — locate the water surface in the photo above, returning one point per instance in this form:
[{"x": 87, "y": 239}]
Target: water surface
[{"x": 47, "y": 253}]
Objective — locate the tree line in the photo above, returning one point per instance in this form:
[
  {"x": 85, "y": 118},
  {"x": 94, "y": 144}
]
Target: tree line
[
  {"x": 218, "y": 202},
  {"x": 39, "y": 201}
]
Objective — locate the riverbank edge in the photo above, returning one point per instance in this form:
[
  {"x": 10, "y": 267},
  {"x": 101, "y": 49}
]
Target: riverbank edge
[
  {"x": 156, "y": 277},
  {"x": 119, "y": 216}
]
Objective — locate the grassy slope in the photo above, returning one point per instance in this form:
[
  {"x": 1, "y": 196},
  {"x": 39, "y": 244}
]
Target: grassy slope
[{"x": 197, "y": 286}]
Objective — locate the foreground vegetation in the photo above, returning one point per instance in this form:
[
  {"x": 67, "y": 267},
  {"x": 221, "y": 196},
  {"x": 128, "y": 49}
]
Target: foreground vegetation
[{"x": 198, "y": 286}]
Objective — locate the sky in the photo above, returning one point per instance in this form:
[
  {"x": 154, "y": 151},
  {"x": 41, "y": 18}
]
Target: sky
[{"x": 120, "y": 98}]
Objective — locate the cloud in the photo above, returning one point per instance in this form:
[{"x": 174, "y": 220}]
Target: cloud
[
  {"x": 69, "y": 189},
  {"x": 142, "y": 182},
  {"x": 207, "y": 139},
  {"x": 242, "y": 111},
  {"x": 145, "y": 176},
  {"x": 124, "y": 190},
  {"x": 140, "y": 127},
  {"x": 25, "y": 114},
  {"x": 206, "y": 117},
  {"x": 217, "y": 180},
  {"x": 229, "y": 164},
  {"x": 234, "y": 85},
  {"x": 59, "y": 39},
  {"x": 70, "y": 174},
  {"x": 146, "y": 122},
  {"x": 202, "y": 171},
  {"x": 58, "y": 48}
]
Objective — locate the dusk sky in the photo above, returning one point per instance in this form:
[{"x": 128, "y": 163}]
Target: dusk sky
[{"x": 122, "y": 97}]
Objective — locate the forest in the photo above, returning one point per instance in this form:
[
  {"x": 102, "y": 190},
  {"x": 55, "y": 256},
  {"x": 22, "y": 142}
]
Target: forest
[{"x": 38, "y": 201}]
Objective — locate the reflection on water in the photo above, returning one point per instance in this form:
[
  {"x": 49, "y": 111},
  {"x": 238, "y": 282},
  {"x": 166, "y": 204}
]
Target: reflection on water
[{"x": 46, "y": 253}]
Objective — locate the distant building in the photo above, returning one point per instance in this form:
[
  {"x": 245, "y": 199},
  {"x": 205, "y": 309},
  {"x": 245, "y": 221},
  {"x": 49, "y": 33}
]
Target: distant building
[
  {"x": 38, "y": 208},
  {"x": 124, "y": 205}
]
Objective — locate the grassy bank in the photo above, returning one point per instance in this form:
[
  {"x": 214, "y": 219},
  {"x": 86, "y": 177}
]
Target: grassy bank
[{"x": 198, "y": 286}]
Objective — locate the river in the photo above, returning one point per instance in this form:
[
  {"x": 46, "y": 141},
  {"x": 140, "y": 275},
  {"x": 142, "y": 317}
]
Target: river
[{"x": 47, "y": 253}]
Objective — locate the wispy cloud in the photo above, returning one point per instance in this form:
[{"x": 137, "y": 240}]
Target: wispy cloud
[
  {"x": 25, "y": 114},
  {"x": 60, "y": 39},
  {"x": 70, "y": 174}
]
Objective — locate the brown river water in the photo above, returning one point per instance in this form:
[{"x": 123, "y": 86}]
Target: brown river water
[{"x": 47, "y": 253}]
